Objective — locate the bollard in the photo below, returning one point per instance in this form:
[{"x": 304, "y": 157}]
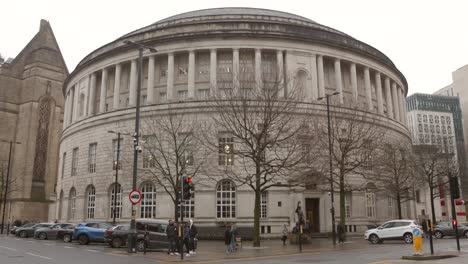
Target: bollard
[{"x": 417, "y": 242}]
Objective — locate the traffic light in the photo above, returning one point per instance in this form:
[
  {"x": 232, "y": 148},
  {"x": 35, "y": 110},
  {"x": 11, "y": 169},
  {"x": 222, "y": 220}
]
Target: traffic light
[
  {"x": 187, "y": 188},
  {"x": 454, "y": 188},
  {"x": 454, "y": 223}
]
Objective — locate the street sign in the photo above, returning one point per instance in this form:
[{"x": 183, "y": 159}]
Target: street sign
[
  {"x": 134, "y": 197},
  {"x": 417, "y": 242}
]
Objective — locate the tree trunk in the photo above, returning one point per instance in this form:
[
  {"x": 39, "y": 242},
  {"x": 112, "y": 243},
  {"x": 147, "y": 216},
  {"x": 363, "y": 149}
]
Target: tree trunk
[
  {"x": 431, "y": 190},
  {"x": 398, "y": 198},
  {"x": 256, "y": 237},
  {"x": 342, "y": 201},
  {"x": 176, "y": 211}
]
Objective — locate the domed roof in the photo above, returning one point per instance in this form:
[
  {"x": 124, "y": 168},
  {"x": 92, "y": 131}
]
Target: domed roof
[{"x": 234, "y": 11}]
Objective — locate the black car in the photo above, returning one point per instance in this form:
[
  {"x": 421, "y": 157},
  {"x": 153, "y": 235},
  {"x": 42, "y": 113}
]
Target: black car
[
  {"x": 116, "y": 236},
  {"x": 49, "y": 232},
  {"x": 66, "y": 233},
  {"x": 13, "y": 229},
  {"x": 24, "y": 232}
]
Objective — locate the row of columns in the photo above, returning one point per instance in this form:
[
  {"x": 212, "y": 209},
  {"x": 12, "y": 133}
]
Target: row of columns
[{"x": 393, "y": 93}]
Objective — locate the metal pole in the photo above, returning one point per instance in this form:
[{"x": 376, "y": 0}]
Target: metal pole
[
  {"x": 454, "y": 217},
  {"x": 332, "y": 209},
  {"x": 116, "y": 178},
  {"x": 181, "y": 232},
  {"x": 6, "y": 187}
]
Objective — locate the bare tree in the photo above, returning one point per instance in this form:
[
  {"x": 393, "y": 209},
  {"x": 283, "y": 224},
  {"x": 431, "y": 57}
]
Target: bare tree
[
  {"x": 171, "y": 150},
  {"x": 354, "y": 137},
  {"x": 391, "y": 172},
  {"x": 12, "y": 187},
  {"x": 258, "y": 135},
  {"x": 429, "y": 166}
]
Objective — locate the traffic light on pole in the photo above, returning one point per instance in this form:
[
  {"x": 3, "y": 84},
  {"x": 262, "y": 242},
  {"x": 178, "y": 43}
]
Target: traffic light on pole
[
  {"x": 454, "y": 223},
  {"x": 454, "y": 188},
  {"x": 187, "y": 188}
]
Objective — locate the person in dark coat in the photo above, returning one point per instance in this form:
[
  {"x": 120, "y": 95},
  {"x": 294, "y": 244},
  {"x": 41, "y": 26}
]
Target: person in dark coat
[
  {"x": 341, "y": 233},
  {"x": 424, "y": 227},
  {"x": 186, "y": 238},
  {"x": 227, "y": 239},
  {"x": 171, "y": 233},
  {"x": 193, "y": 237}
]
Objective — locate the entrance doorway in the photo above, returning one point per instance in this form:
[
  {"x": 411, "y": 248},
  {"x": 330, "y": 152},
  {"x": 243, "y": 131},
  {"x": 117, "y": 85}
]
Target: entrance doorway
[{"x": 312, "y": 214}]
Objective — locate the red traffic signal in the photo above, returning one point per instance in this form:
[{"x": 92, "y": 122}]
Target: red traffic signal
[
  {"x": 188, "y": 179},
  {"x": 454, "y": 223}
]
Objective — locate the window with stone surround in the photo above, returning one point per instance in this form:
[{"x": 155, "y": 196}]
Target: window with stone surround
[
  {"x": 92, "y": 158},
  {"x": 72, "y": 204},
  {"x": 64, "y": 158},
  {"x": 91, "y": 202},
  {"x": 226, "y": 151},
  {"x": 148, "y": 201},
  {"x": 74, "y": 166},
  {"x": 370, "y": 203},
  {"x": 115, "y": 154},
  {"x": 224, "y": 70},
  {"x": 202, "y": 65},
  {"x": 226, "y": 199},
  {"x": 264, "y": 204},
  {"x": 181, "y": 67},
  {"x": 348, "y": 197},
  {"x": 116, "y": 199}
]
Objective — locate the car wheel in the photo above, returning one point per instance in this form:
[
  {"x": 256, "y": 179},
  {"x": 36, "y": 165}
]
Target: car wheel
[
  {"x": 408, "y": 238},
  {"x": 374, "y": 239},
  {"x": 67, "y": 238},
  {"x": 83, "y": 240},
  {"x": 42, "y": 236},
  {"x": 116, "y": 242},
  {"x": 23, "y": 234},
  {"x": 140, "y": 245},
  {"x": 438, "y": 235},
  {"x": 466, "y": 234}
]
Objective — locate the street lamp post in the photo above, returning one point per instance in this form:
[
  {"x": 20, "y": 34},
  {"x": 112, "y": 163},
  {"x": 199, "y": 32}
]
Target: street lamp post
[
  {"x": 7, "y": 181},
  {"x": 332, "y": 209},
  {"x": 116, "y": 164},
  {"x": 136, "y": 135}
]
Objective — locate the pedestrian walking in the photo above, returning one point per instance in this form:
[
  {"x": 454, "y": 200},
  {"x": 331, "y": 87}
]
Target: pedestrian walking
[
  {"x": 285, "y": 233},
  {"x": 227, "y": 239},
  {"x": 341, "y": 233},
  {"x": 424, "y": 227},
  {"x": 193, "y": 237},
  {"x": 233, "y": 238},
  {"x": 171, "y": 233},
  {"x": 186, "y": 239}
]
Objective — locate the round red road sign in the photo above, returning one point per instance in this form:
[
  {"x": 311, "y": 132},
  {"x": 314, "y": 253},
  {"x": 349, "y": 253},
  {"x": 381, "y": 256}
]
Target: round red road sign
[{"x": 134, "y": 197}]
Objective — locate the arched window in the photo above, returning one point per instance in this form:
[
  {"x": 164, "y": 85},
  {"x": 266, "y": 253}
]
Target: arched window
[
  {"x": 301, "y": 79},
  {"x": 71, "y": 204},
  {"x": 148, "y": 201},
  {"x": 60, "y": 205},
  {"x": 370, "y": 200},
  {"x": 226, "y": 199},
  {"x": 116, "y": 200},
  {"x": 91, "y": 202}
]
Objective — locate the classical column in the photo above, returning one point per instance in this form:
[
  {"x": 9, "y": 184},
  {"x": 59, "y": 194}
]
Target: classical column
[
  {"x": 92, "y": 94},
  {"x": 213, "y": 69},
  {"x": 321, "y": 76},
  {"x": 150, "y": 83},
  {"x": 170, "y": 76},
  {"x": 235, "y": 68},
  {"x": 76, "y": 112},
  {"x": 388, "y": 95},
  {"x": 133, "y": 84},
  {"x": 102, "y": 97},
  {"x": 367, "y": 85},
  {"x": 378, "y": 86},
  {"x": 258, "y": 69},
  {"x": 116, "y": 103},
  {"x": 405, "y": 117},
  {"x": 401, "y": 106},
  {"x": 66, "y": 106},
  {"x": 71, "y": 93},
  {"x": 191, "y": 75},
  {"x": 338, "y": 81},
  {"x": 354, "y": 90},
  {"x": 280, "y": 77},
  {"x": 395, "y": 102},
  {"x": 313, "y": 75}
]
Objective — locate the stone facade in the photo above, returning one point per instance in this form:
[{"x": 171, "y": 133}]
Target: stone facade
[
  {"x": 31, "y": 112},
  {"x": 197, "y": 52}
]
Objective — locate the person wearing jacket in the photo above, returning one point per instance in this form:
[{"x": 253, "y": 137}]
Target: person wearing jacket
[
  {"x": 171, "y": 233},
  {"x": 193, "y": 237},
  {"x": 186, "y": 238},
  {"x": 227, "y": 239}
]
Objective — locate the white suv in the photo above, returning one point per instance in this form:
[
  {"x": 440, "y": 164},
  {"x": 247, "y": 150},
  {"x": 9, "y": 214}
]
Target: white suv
[{"x": 392, "y": 230}]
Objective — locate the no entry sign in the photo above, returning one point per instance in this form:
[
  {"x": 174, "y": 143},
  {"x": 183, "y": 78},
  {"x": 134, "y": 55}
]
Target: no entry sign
[{"x": 134, "y": 197}]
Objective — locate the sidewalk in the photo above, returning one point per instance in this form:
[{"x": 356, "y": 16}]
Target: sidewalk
[{"x": 213, "y": 251}]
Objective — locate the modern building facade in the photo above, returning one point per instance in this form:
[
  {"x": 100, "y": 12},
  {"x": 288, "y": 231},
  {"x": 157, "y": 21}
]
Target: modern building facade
[
  {"x": 437, "y": 120},
  {"x": 197, "y": 51},
  {"x": 31, "y": 113}
]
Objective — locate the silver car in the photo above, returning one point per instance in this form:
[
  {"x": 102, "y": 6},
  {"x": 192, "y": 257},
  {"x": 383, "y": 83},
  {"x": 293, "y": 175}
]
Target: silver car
[
  {"x": 49, "y": 232},
  {"x": 446, "y": 229}
]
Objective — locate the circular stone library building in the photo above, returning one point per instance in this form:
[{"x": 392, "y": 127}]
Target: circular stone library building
[{"x": 196, "y": 50}]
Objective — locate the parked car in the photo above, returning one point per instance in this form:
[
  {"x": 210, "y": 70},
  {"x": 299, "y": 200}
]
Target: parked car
[
  {"x": 13, "y": 229},
  {"x": 446, "y": 229},
  {"x": 66, "y": 233},
  {"x": 49, "y": 232},
  {"x": 24, "y": 232},
  {"x": 156, "y": 240},
  {"x": 392, "y": 230},
  {"x": 116, "y": 236},
  {"x": 90, "y": 232}
]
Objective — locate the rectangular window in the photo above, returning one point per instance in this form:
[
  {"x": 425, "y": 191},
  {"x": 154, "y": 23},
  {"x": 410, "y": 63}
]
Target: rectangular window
[
  {"x": 92, "y": 158},
  {"x": 264, "y": 205},
  {"x": 162, "y": 97},
  {"x": 188, "y": 210},
  {"x": 226, "y": 151},
  {"x": 116, "y": 162},
  {"x": 64, "y": 158},
  {"x": 91, "y": 203},
  {"x": 182, "y": 94},
  {"x": 418, "y": 196},
  {"x": 74, "y": 162},
  {"x": 348, "y": 198},
  {"x": 370, "y": 204},
  {"x": 148, "y": 152},
  {"x": 143, "y": 100},
  {"x": 203, "y": 93}
]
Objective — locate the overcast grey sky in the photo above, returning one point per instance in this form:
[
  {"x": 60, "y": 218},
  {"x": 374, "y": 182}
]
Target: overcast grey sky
[{"x": 427, "y": 40}]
